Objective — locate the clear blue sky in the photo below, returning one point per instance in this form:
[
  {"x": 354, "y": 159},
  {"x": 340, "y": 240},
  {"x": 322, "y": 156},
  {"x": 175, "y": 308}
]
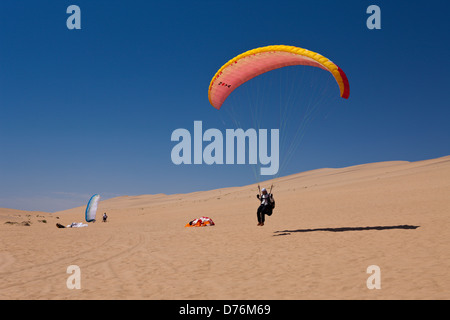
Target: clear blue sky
[{"x": 92, "y": 110}]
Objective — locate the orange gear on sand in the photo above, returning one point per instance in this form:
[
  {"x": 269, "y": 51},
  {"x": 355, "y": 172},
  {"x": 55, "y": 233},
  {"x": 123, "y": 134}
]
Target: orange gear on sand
[{"x": 200, "y": 222}]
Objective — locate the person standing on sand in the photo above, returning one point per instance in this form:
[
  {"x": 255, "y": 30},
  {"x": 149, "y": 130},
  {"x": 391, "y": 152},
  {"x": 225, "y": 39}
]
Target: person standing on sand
[
  {"x": 266, "y": 207},
  {"x": 104, "y": 217}
]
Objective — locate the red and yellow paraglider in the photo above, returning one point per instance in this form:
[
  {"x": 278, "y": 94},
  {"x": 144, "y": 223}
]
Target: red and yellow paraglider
[{"x": 261, "y": 60}]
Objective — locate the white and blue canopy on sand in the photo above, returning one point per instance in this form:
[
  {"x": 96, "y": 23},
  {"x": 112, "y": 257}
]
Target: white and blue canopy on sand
[{"x": 91, "y": 209}]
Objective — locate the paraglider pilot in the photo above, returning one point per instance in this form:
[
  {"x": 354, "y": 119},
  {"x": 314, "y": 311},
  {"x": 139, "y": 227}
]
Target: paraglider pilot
[{"x": 266, "y": 207}]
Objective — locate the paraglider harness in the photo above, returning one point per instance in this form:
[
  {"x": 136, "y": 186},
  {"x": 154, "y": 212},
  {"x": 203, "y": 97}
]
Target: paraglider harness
[{"x": 269, "y": 201}]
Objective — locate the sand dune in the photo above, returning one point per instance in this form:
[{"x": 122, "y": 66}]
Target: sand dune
[{"x": 328, "y": 227}]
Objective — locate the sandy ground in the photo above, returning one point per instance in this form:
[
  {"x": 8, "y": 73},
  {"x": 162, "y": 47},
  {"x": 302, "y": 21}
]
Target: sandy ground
[{"x": 318, "y": 243}]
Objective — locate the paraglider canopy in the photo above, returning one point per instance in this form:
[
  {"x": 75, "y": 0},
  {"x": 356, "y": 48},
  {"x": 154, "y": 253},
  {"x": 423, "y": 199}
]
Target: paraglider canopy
[
  {"x": 91, "y": 209},
  {"x": 255, "y": 62}
]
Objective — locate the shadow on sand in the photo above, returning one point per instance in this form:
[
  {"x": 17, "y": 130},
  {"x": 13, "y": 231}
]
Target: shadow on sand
[{"x": 288, "y": 232}]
